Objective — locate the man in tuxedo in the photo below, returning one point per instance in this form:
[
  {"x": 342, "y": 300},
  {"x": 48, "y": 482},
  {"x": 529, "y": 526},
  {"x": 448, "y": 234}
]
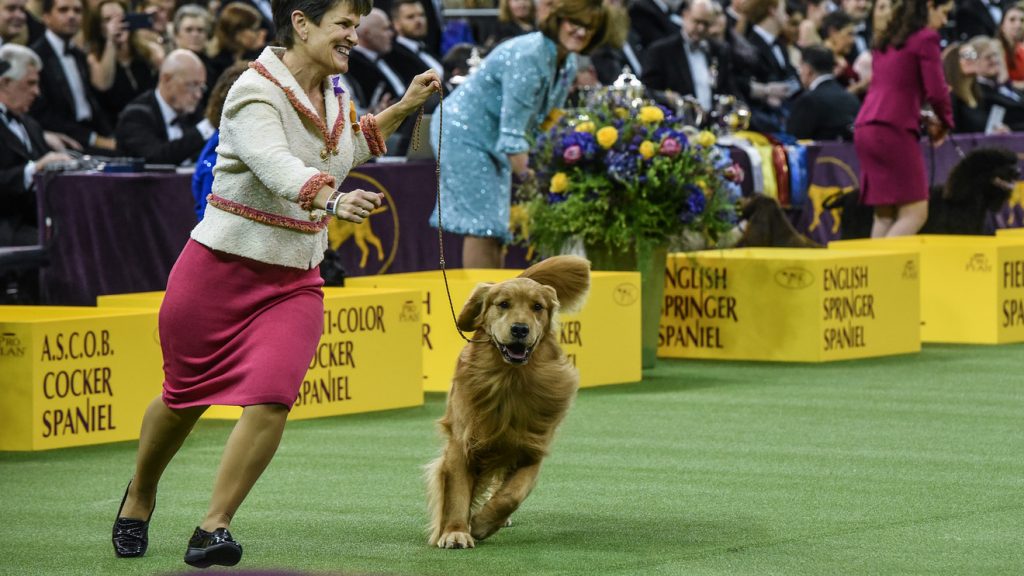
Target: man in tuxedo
[
  {"x": 652, "y": 20},
  {"x": 409, "y": 55},
  {"x": 23, "y": 149},
  {"x": 689, "y": 63},
  {"x": 432, "y": 11},
  {"x": 66, "y": 103},
  {"x": 163, "y": 125},
  {"x": 13, "y": 19},
  {"x": 368, "y": 72},
  {"x": 977, "y": 18},
  {"x": 825, "y": 111},
  {"x": 769, "y": 80}
]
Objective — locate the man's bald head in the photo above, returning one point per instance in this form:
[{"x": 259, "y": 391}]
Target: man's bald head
[
  {"x": 375, "y": 32},
  {"x": 182, "y": 80}
]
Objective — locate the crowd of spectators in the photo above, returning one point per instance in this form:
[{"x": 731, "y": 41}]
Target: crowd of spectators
[{"x": 119, "y": 78}]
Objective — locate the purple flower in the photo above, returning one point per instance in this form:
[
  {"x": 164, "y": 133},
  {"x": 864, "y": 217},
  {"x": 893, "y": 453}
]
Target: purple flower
[{"x": 336, "y": 83}]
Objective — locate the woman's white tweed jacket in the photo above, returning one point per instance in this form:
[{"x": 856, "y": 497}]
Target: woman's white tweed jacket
[{"x": 274, "y": 155}]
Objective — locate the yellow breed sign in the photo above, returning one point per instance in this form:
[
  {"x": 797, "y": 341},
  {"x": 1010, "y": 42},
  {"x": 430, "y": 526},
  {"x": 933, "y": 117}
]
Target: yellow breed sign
[
  {"x": 74, "y": 376},
  {"x": 972, "y": 287},
  {"x": 602, "y": 340},
  {"x": 368, "y": 358},
  {"x": 789, "y": 305}
]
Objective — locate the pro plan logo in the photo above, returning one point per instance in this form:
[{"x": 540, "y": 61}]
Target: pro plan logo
[
  {"x": 626, "y": 294},
  {"x": 410, "y": 311},
  {"x": 794, "y": 278},
  {"x": 978, "y": 262},
  {"x": 910, "y": 270},
  {"x": 11, "y": 346}
]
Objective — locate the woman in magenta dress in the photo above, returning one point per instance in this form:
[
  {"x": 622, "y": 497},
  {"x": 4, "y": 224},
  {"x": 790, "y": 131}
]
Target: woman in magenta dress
[
  {"x": 906, "y": 73},
  {"x": 243, "y": 311}
]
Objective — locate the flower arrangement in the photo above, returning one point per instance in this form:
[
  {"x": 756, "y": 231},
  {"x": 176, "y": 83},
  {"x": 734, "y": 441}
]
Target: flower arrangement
[{"x": 615, "y": 176}]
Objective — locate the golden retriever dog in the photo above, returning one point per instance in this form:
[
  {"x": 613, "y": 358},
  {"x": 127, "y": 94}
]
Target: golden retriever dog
[{"x": 512, "y": 387}]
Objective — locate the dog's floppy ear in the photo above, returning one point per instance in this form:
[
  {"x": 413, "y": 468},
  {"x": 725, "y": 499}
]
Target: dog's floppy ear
[
  {"x": 568, "y": 275},
  {"x": 472, "y": 311}
]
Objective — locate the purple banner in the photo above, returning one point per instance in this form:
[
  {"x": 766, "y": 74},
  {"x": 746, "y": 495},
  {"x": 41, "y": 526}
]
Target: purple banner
[{"x": 834, "y": 168}]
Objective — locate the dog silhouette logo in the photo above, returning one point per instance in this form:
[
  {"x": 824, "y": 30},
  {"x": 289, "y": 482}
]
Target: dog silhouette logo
[{"x": 375, "y": 239}]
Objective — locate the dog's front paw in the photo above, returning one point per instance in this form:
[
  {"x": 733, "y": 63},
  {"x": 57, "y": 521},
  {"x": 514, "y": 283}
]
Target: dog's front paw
[{"x": 455, "y": 540}]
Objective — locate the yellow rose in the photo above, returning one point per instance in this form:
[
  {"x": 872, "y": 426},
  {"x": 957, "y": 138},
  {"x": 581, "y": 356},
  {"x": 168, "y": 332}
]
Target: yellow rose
[
  {"x": 553, "y": 117},
  {"x": 651, "y": 114},
  {"x": 586, "y": 127},
  {"x": 648, "y": 149},
  {"x": 559, "y": 183},
  {"x": 706, "y": 139},
  {"x": 607, "y": 136}
]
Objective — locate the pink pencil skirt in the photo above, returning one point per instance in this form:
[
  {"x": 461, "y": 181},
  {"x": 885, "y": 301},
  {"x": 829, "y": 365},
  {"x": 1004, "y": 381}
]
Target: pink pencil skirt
[
  {"x": 235, "y": 331},
  {"x": 891, "y": 165}
]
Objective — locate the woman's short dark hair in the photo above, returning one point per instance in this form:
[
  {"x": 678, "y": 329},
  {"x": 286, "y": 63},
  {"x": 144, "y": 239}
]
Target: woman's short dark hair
[
  {"x": 313, "y": 9},
  {"x": 593, "y": 12}
]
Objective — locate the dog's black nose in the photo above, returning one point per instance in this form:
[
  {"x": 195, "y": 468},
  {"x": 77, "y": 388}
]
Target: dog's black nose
[{"x": 520, "y": 330}]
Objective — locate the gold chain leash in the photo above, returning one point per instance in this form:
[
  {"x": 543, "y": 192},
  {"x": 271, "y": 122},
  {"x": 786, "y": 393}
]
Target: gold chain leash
[{"x": 437, "y": 183}]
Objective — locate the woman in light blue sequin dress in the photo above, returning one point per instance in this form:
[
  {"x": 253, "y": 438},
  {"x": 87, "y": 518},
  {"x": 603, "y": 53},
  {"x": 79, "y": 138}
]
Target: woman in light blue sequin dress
[{"x": 490, "y": 120}]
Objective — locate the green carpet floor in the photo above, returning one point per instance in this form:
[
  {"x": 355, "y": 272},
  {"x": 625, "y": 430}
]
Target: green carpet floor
[{"x": 906, "y": 465}]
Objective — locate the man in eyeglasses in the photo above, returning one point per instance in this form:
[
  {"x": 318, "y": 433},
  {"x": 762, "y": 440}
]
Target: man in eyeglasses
[
  {"x": 164, "y": 125},
  {"x": 689, "y": 63}
]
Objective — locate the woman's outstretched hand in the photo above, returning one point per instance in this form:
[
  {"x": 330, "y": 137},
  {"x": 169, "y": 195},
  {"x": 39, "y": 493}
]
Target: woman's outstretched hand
[
  {"x": 357, "y": 205},
  {"x": 421, "y": 88}
]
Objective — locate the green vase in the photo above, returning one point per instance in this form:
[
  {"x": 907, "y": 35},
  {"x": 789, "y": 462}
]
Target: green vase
[{"x": 649, "y": 260}]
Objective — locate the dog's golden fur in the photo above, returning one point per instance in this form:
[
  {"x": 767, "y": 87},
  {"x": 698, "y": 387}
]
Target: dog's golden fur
[{"x": 502, "y": 411}]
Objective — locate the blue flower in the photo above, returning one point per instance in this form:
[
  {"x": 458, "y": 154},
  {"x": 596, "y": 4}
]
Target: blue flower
[
  {"x": 585, "y": 140},
  {"x": 621, "y": 166},
  {"x": 695, "y": 203}
]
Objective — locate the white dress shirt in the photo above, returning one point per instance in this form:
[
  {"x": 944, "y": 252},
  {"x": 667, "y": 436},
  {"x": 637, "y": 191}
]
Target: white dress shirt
[
  {"x": 700, "y": 72},
  {"x": 78, "y": 89},
  {"x": 769, "y": 39}
]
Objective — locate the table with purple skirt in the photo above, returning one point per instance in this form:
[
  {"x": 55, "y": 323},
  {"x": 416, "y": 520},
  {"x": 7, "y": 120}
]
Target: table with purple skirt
[{"x": 118, "y": 233}]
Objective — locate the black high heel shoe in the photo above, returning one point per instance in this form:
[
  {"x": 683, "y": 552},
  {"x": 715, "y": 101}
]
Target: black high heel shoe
[
  {"x": 208, "y": 548},
  {"x": 130, "y": 537}
]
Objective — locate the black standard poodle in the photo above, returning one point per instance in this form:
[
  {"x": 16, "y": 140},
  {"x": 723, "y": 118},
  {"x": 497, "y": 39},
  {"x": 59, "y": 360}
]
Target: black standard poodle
[{"x": 981, "y": 182}]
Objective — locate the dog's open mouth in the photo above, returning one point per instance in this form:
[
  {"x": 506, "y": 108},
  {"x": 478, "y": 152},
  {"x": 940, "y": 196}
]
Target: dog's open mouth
[{"x": 515, "y": 353}]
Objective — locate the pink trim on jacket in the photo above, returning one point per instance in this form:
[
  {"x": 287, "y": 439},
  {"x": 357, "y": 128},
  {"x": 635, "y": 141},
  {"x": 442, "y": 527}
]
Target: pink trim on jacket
[
  {"x": 312, "y": 187},
  {"x": 331, "y": 140},
  {"x": 374, "y": 139},
  {"x": 244, "y": 211}
]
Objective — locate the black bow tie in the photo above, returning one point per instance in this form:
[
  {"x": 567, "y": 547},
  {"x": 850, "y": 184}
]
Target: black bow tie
[{"x": 177, "y": 121}]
